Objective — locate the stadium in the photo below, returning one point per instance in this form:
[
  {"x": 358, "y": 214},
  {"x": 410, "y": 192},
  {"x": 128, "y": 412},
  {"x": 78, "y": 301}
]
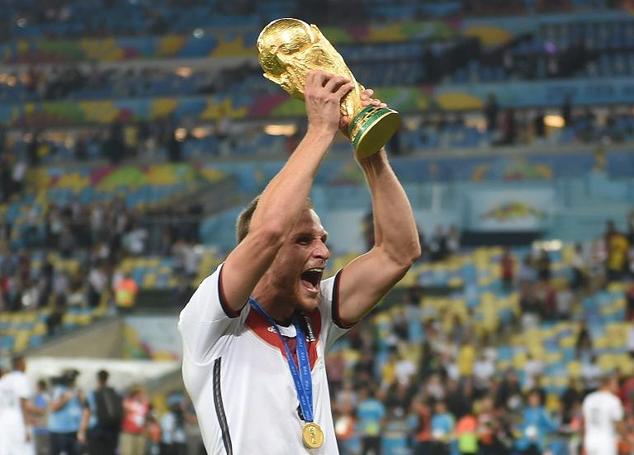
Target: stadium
[{"x": 133, "y": 133}]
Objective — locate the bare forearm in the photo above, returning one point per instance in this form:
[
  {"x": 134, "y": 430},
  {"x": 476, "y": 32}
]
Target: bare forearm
[
  {"x": 58, "y": 404},
  {"x": 26, "y": 414},
  {"x": 85, "y": 420},
  {"x": 285, "y": 197},
  {"x": 278, "y": 209},
  {"x": 394, "y": 224}
]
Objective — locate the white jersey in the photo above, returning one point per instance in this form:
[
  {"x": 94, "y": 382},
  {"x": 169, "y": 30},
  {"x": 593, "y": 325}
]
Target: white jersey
[
  {"x": 237, "y": 376},
  {"x": 14, "y": 387},
  {"x": 601, "y": 411}
]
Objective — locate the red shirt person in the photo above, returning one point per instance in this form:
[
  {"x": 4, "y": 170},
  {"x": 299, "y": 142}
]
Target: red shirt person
[{"x": 133, "y": 427}]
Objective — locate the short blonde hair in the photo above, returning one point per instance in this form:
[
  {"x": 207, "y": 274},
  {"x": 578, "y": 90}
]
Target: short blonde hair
[{"x": 244, "y": 219}]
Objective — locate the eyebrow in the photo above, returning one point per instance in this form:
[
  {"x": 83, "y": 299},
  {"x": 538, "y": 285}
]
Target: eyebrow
[{"x": 311, "y": 234}]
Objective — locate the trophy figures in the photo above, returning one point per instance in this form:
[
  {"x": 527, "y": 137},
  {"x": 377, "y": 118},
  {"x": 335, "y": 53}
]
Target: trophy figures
[{"x": 288, "y": 49}]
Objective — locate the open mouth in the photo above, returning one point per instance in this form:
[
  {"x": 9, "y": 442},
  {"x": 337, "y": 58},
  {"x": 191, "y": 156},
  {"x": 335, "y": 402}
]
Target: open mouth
[{"x": 311, "y": 278}]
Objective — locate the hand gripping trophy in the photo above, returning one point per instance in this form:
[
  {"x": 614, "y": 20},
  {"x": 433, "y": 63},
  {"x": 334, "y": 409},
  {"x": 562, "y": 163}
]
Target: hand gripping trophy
[{"x": 288, "y": 49}]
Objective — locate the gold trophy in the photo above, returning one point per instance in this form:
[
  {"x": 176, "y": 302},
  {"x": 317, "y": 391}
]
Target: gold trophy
[{"x": 288, "y": 49}]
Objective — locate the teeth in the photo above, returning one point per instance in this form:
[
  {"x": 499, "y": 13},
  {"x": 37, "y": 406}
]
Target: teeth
[{"x": 316, "y": 269}]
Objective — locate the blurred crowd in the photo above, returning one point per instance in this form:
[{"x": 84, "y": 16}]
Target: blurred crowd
[
  {"x": 63, "y": 418},
  {"x": 55, "y": 18},
  {"x": 176, "y": 141},
  {"x": 71, "y": 256},
  {"x": 91, "y": 81},
  {"x": 508, "y": 126},
  {"x": 454, "y": 399}
]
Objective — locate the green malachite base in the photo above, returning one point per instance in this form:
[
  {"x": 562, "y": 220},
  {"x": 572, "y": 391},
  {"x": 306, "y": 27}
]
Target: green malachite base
[{"x": 372, "y": 128}]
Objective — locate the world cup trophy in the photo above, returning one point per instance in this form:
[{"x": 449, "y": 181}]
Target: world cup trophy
[{"x": 288, "y": 49}]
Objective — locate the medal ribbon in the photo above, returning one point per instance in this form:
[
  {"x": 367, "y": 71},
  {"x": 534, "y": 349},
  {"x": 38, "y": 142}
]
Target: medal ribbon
[{"x": 302, "y": 377}]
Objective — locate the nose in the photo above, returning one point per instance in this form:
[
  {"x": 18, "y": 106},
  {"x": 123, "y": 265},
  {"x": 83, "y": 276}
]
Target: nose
[{"x": 321, "y": 251}]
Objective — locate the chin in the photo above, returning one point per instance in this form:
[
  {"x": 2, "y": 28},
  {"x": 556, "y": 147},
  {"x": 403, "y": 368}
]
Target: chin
[{"x": 308, "y": 303}]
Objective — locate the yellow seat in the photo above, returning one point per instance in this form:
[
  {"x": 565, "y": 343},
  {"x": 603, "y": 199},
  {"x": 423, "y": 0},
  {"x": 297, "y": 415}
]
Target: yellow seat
[
  {"x": 607, "y": 362},
  {"x": 574, "y": 369},
  {"x": 39, "y": 329}
]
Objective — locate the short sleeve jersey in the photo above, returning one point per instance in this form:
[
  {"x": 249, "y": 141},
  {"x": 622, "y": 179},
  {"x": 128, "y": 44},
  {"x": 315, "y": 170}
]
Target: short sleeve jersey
[
  {"x": 14, "y": 387},
  {"x": 601, "y": 411},
  {"x": 236, "y": 373}
]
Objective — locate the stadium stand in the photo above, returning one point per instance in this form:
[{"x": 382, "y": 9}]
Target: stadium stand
[{"x": 131, "y": 133}]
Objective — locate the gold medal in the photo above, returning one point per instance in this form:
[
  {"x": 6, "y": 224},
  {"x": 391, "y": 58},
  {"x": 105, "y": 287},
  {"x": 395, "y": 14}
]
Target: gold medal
[{"x": 312, "y": 435}]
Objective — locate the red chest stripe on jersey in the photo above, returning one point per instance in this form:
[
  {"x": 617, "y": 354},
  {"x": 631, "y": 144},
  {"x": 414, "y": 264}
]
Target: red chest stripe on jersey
[{"x": 260, "y": 326}]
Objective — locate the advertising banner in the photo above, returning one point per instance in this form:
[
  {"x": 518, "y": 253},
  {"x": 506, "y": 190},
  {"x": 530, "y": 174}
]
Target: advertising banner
[{"x": 509, "y": 210}]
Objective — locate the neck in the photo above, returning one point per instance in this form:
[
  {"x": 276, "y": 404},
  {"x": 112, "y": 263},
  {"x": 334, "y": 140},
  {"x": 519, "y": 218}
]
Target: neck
[{"x": 279, "y": 307}]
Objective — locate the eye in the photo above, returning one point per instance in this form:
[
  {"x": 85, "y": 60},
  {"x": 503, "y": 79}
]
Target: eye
[{"x": 304, "y": 240}]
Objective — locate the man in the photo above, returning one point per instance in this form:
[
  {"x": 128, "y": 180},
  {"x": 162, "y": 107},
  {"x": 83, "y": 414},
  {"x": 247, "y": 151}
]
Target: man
[
  {"x": 65, "y": 414},
  {"x": 15, "y": 411},
  {"x": 40, "y": 427},
  {"x": 136, "y": 409},
  {"x": 267, "y": 299},
  {"x": 370, "y": 421},
  {"x": 102, "y": 418},
  {"x": 535, "y": 426},
  {"x": 602, "y": 416},
  {"x": 173, "y": 432}
]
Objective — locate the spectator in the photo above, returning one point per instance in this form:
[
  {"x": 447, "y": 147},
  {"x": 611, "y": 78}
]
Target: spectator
[
  {"x": 66, "y": 411},
  {"x": 564, "y": 302},
  {"x": 466, "y": 433},
  {"x": 566, "y": 110},
  {"x": 571, "y": 395},
  {"x": 583, "y": 345},
  {"x": 442, "y": 429},
  {"x": 509, "y": 393},
  {"x": 490, "y": 431},
  {"x": 135, "y": 412},
  {"x": 125, "y": 291},
  {"x": 507, "y": 269},
  {"x": 491, "y": 110},
  {"x": 16, "y": 409},
  {"x": 423, "y": 440},
  {"x": 405, "y": 371},
  {"x": 578, "y": 269},
  {"x": 533, "y": 369},
  {"x": 539, "y": 127},
  {"x": 484, "y": 369},
  {"x": 154, "y": 435},
  {"x": 453, "y": 240},
  {"x": 542, "y": 264},
  {"x": 370, "y": 421},
  {"x": 174, "y": 438},
  {"x": 602, "y": 417},
  {"x": 527, "y": 274},
  {"x": 509, "y": 127},
  {"x": 438, "y": 246},
  {"x": 40, "y": 429},
  {"x": 591, "y": 372},
  {"x": 106, "y": 416},
  {"x": 535, "y": 426},
  {"x": 617, "y": 261},
  {"x": 55, "y": 318},
  {"x": 345, "y": 423}
]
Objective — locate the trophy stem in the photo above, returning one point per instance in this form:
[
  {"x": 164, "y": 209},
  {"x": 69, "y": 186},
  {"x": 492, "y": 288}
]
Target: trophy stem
[{"x": 372, "y": 128}]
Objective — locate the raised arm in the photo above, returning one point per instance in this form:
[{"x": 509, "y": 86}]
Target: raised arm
[
  {"x": 367, "y": 279},
  {"x": 284, "y": 198}
]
